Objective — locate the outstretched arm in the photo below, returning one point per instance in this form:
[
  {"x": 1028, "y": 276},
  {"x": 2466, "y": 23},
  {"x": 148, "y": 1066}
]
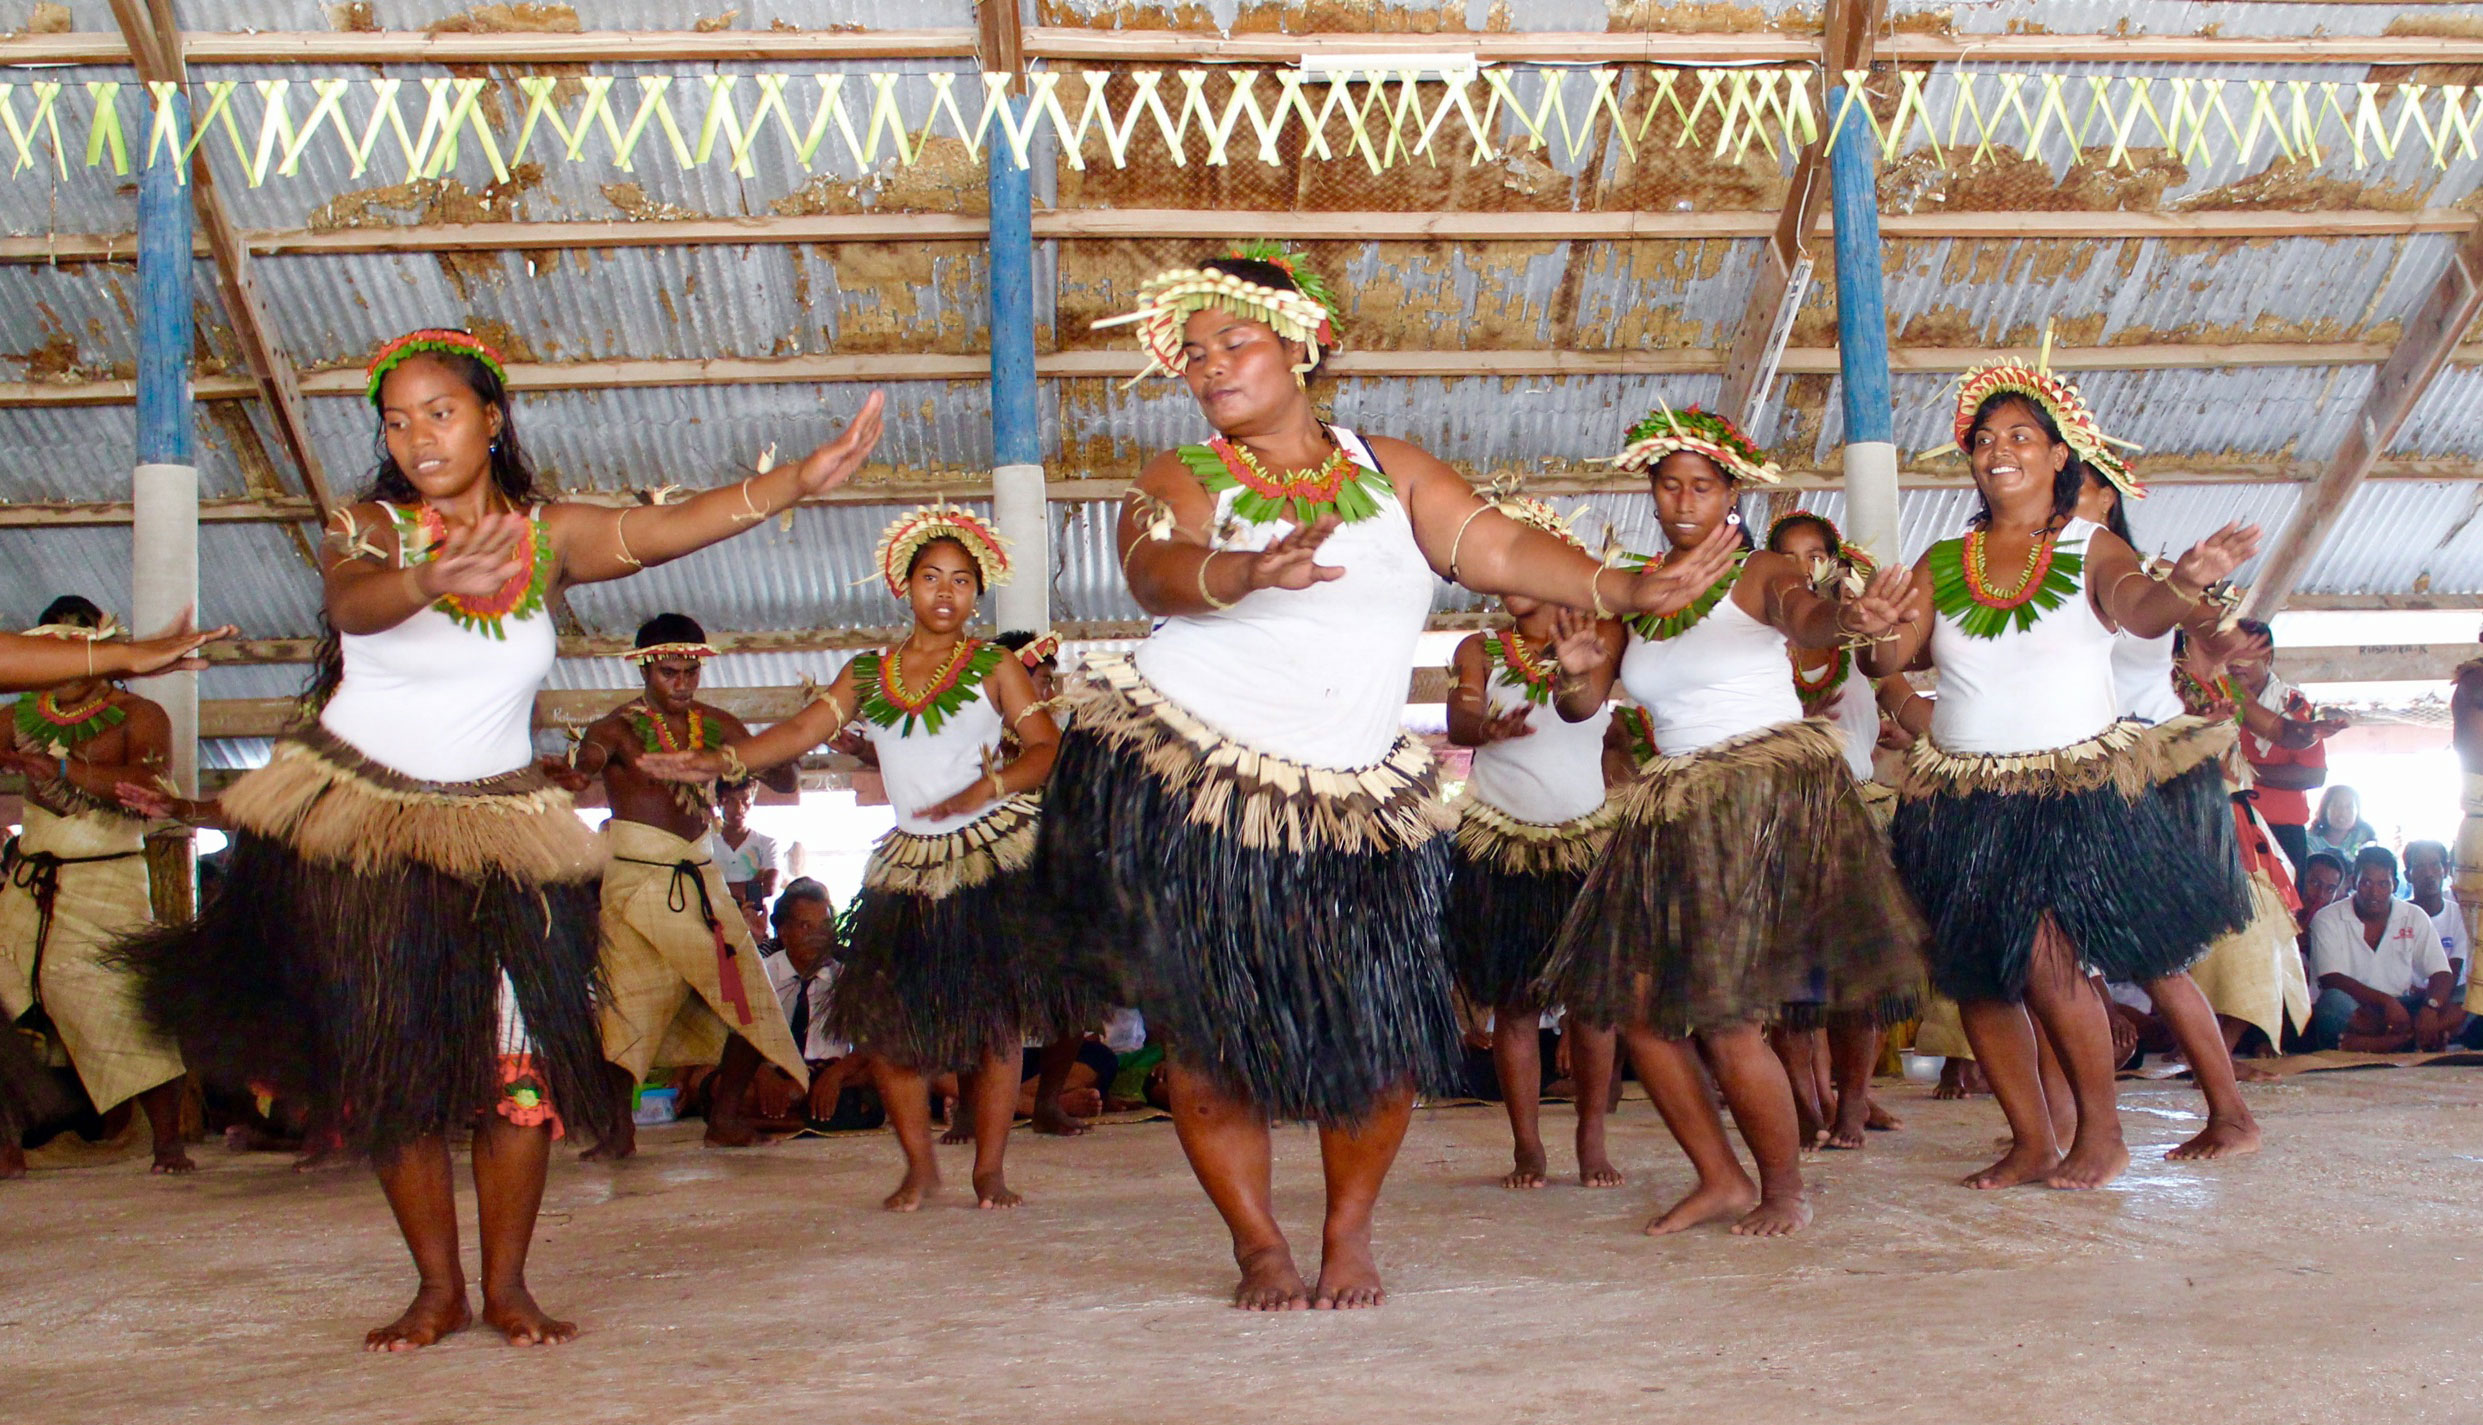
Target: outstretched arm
[
  {"x": 2131, "y": 599},
  {"x": 1893, "y": 656},
  {"x": 1168, "y": 553},
  {"x": 597, "y": 543},
  {"x": 1813, "y": 620},
  {"x": 784, "y": 777},
  {"x": 28, "y": 663},
  {"x": 780, "y": 744}
]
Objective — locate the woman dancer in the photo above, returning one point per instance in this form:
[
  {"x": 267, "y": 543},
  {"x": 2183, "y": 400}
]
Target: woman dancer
[
  {"x": 407, "y": 926},
  {"x": 1744, "y": 874},
  {"x": 944, "y": 968},
  {"x": 2036, "y": 829},
  {"x": 1237, "y": 801},
  {"x": 1531, "y": 821},
  {"x": 1841, "y": 1111}
]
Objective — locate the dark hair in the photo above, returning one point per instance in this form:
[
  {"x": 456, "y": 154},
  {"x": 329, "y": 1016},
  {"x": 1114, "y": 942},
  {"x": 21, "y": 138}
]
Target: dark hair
[
  {"x": 2066, "y": 486},
  {"x": 2258, "y": 627},
  {"x": 801, "y": 890},
  {"x": 2376, "y": 855},
  {"x": 2116, "y": 515},
  {"x": 1820, "y": 523},
  {"x": 670, "y": 628},
  {"x": 1266, "y": 274},
  {"x": 925, "y": 548},
  {"x": 512, "y": 473},
  {"x": 2413, "y": 846},
  {"x": 1016, "y": 639},
  {"x": 2329, "y": 859},
  {"x": 75, "y": 609}
]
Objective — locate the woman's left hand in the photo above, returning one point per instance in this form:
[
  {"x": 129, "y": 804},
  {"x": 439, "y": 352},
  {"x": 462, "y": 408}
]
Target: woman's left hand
[
  {"x": 1666, "y": 588},
  {"x": 975, "y": 797},
  {"x": 1885, "y": 604},
  {"x": 2212, "y": 560},
  {"x": 835, "y": 461},
  {"x": 681, "y": 766}
]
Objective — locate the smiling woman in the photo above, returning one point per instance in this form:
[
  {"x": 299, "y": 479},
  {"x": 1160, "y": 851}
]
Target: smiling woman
[{"x": 406, "y": 935}]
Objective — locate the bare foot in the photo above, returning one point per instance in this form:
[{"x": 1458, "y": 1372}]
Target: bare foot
[
  {"x": 173, "y": 1160},
  {"x": 1532, "y": 1170},
  {"x": 619, "y": 1144},
  {"x": 1053, "y": 1119},
  {"x": 1348, "y": 1278},
  {"x": 1880, "y": 1120},
  {"x": 322, "y": 1155},
  {"x": 1961, "y": 1078},
  {"x": 959, "y": 1131},
  {"x": 1779, "y": 1214},
  {"x": 1708, "y": 1202},
  {"x": 911, "y": 1192},
  {"x": 1598, "y": 1172},
  {"x": 12, "y": 1161},
  {"x": 514, "y": 1315},
  {"x": 2221, "y": 1138},
  {"x": 2089, "y": 1165},
  {"x": 1846, "y": 1133},
  {"x": 2023, "y": 1164},
  {"x": 1270, "y": 1281},
  {"x": 435, "y": 1312},
  {"x": 2247, "y": 1072},
  {"x": 993, "y": 1192}
]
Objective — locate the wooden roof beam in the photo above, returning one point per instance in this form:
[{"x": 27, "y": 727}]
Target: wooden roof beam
[{"x": 2432, "y": 333}]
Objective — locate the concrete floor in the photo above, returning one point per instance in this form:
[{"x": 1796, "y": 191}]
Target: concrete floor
[{"x": 2338, "y": 1276}]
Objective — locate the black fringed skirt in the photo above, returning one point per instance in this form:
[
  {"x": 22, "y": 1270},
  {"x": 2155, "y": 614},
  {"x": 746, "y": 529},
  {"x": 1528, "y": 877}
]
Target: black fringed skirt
[
  {"x": 1740, "y": 879},
  {"x": 1510, "y": 886},
  {"x": 950, "y": 956},
  {"x": 399, "y": 954},
  {"x": 2125, "y": 841},
  {"x": 1279, "y": 923}
]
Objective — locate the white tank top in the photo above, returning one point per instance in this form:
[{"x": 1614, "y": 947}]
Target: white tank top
[
  {"x": 2029, "y": 690},
  {"x": 1728, "y": 675},
  {"x": 442, "y": 703},
  {"x": 1555, "y": 773},
  {"x": 2142, "y": 677},
  {"x": 924, "y": 768},
  {"x": 1856, "y": 716},
  {"x": 1317, "y": 675}
]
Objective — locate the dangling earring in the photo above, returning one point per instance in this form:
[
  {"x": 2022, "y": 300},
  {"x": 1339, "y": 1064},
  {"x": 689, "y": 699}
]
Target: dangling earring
[{"x": 1301, "y": 381}]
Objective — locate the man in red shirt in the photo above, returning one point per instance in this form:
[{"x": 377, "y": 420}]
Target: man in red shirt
[{"x": 2283, "y": 774}]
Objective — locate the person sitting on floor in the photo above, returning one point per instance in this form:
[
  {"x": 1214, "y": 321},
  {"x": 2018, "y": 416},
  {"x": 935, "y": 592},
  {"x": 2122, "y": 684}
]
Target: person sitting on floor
[
  {"x": 2427, "y": 871},
  {"x": 801, "y": 963},
  {"x": 2384, "y": 984}
]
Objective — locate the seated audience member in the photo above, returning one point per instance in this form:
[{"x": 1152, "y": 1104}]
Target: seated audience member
[
  {"x": 2339, "y": 827},
  {"x": 2427, "y": 871},
  {"x": 801, "y": 964},
  {"x": 2322, "y": 881},
  {"x": 746, "y": 859},
  {"x": 2384, "y": 985}
]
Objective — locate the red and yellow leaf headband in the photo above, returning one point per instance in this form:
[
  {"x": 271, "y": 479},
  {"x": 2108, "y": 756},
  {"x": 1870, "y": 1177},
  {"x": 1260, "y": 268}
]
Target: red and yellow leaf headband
[
  {"x": 2080, "y": 431},
  {"x": 1167, "y": 300},
  {"x": 1664, "y": 431},
  {"x": 941, "y": 520},
  {"x": 439, "y": 339}
]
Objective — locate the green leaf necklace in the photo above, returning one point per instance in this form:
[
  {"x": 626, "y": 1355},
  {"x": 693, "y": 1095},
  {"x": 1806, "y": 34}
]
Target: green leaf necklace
[
  {"x": 1961, "y": 590},
  {"x": 1681, "y": 621},
  {"x": 885, "y": 701},
  {"x": 1338, "y": 485}
]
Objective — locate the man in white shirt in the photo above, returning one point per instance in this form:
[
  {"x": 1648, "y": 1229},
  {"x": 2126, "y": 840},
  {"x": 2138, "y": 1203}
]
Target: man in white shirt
[
  {"x": 2427, "y": 871},
  {"x": 2384, "y": 982},
  {"x": 801, "y": 962},
  {"x": 746, "y": 859}
]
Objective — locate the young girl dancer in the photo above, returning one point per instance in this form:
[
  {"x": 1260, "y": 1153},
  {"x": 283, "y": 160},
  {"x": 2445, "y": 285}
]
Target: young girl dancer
[
  {"x": 1237, "y": 802},
  {"x": 407, "y": 926},
  {"x": 1530, "y": 823},
  {"x": 2036, "y": 829},
  {"x": 945, "y": 968},
  {"x": 1744, "y": 874}
]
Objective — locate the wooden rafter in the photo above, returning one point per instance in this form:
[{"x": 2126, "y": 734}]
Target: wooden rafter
[
  {"x": 2430, "y": 340},
  {"x": 156, "y": 48},
  {"x": 1784, "y": 269}
]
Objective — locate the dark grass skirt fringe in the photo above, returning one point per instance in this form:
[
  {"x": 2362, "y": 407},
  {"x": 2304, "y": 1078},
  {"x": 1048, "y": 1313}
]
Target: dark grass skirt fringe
[
  {"x": 374, "y": 996},
  {"x": 936, "y": 985},
  {"x": 1311, "y": 984},
  {"x": 1500, "y": 928},
  {"x": 28, "y": 1096},
  {"x": 2141, "y": 887},
  {"x": 1740, "y": 880}
]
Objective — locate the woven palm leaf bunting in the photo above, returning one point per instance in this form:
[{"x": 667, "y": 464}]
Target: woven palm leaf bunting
[
  {"x": 1979, "y": 616},
  {"x": 1506, "y": 651},
  {"x": 887, "y": 705},
  {"x": 1340, "y": 486},
  {"x": 37, "y": 721},
  {"x": 1675, "y": 624}
]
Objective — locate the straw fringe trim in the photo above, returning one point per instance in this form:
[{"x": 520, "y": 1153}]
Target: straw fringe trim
[
  {"x": 1267, "y": 802},
  {"x": 329, "y": 803},
  {"x": 937, "y": 867},
  {"x": 1669, "y": 787},
  {"x": 2127, "y": 757},
  {"x": 1512, "y": 847}
]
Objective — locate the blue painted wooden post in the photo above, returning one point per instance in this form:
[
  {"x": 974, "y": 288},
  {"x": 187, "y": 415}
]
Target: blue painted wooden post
[
  {"x": 1019, "y": 506},
  {"x": 1862, "y": 334},
  {"x": 164, "y": 479}
]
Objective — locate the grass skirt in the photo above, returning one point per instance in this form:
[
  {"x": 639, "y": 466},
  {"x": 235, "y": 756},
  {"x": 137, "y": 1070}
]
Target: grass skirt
[
  {"x": 1510, "y": 886},
  {"x": 1279, "y": 923},
  {"x": 949, "y": 955},
  {"x": 28, "y": 1096},
  {"x": 1740, "y": 879},
  {"x": 354, "y": 954},
  {"x": 2125, "y": 840}
]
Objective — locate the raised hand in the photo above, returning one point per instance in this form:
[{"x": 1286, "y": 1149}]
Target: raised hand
[
  {"x": 682, "y": 766},
  {"x": 2213, "y": 559},
  {"x": 474, "y": 561},
  {"x": 1578, "y": 642},
  {"x": 1290, "y": 563},
  {"x": 564, "y": 774},
  {"x": 1668, "y": 588},
  {"x": 171, "y": 650},
  {"x": 1507, "y": 726},
  {"x": 153, "y": 803},
  {"x": 835, "y": 461},
  {"x": 1885, "y": 603}
]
